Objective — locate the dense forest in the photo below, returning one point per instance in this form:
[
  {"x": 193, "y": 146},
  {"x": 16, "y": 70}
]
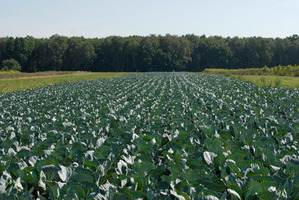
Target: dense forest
[{"x": 148, "y": 53}]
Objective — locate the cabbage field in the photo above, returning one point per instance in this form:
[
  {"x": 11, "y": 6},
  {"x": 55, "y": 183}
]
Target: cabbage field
[{"x": 150, "y": 136}]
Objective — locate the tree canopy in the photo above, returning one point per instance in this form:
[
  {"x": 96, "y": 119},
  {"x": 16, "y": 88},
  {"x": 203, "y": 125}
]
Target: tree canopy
[
  {"x": 11, "y": 64},
  {"x": 148, "y": 53}
]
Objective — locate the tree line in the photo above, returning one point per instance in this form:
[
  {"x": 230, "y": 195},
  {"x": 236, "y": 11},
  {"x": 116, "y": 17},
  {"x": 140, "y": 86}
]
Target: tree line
[{"x": 147, "y": 53}]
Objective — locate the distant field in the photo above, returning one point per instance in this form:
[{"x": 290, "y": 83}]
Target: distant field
[
  {"x": 15, "y": 81},
  {"x": 269, "y": 80},
  {"x": 290, "y": 70},
  {"x": 17, "y": 74},
  {"x": 280, "y": 76}
]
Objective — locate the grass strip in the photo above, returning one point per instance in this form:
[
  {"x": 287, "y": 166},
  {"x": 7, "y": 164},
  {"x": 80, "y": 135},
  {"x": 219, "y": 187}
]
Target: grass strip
[
  {"x": 33, "y": 81},
  {"x": 269, "y": 80}
]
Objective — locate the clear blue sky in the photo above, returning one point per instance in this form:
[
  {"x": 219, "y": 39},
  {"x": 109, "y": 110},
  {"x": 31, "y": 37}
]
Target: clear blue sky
[{"x": 101, "y": 18}]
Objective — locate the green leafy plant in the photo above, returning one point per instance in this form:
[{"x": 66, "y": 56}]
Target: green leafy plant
[{"x": 150, "y": 136}]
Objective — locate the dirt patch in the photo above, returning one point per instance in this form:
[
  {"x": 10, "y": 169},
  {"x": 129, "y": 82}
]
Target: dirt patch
[{"x": 47, "y": 76}]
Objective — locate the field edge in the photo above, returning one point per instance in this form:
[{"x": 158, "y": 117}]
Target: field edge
[{"x": 28, "y": 82}]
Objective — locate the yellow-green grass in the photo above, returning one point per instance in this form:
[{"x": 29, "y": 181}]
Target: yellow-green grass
[
  {"x": 32, "y": 80},
  {"x": 277, "y": 71},
  {"x": 269, "y": 80},
  {"x": 17, "y": 74}
]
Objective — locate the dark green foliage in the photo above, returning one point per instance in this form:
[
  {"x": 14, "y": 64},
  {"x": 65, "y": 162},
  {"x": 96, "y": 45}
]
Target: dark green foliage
[
  {"x": 150, "y": 53},
  {"x": 11, "y": 64},
  {"x": 150, "y": 136}
]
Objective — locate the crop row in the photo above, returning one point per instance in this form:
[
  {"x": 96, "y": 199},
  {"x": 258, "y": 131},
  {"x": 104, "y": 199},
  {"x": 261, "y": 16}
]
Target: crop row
[{"x": 150, "y": 136}]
